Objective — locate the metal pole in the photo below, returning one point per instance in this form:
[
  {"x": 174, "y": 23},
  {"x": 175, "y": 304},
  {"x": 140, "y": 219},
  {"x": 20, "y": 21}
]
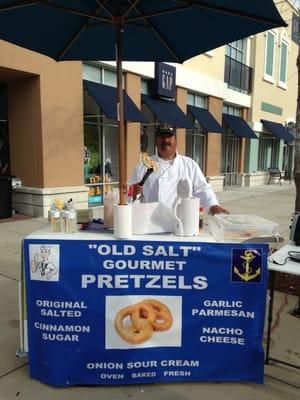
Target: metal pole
[
  {"x": 270, "y": 315},
  {"x": 120, "y": 116},
  {"x": 296, "y": 311}
]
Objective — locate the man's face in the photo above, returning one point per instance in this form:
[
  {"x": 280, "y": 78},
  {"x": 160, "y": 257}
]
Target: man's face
[
  {"x": 166, "y": 146},
  {"x": 44, "y": 254}
]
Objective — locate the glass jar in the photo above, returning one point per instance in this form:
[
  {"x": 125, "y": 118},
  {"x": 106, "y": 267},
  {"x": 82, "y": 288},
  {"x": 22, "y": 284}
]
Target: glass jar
[
  {"x": 71, "y": 221},
  {"x": 55, "y": 225}
]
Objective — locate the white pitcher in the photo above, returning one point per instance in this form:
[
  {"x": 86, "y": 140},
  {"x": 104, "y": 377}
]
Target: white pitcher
[{"x": 186, "y": 212}]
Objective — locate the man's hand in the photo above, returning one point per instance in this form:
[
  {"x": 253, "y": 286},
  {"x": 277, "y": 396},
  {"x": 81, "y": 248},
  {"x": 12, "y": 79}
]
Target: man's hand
[
  {"x": 218, "y": 210},
  {"x": 137, "y": 189}
]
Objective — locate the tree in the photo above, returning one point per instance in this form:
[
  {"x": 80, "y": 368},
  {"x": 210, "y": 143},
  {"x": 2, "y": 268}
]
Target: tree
[{"x": 297, "y": 137}]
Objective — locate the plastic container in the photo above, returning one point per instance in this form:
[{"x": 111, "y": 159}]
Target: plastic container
[
  {"x": 55, "y": 222},
  {"x": 63, "y": 220},
  {"x": 235, "y": 227},
  {"x": 70, "y": 218}
]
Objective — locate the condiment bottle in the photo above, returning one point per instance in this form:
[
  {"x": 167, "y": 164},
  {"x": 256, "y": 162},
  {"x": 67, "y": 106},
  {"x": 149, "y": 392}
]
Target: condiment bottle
[
  {"x": 201, "y": 216},
  {"x": 63, "y": 218},
  {"x": 71, "y": 218}
]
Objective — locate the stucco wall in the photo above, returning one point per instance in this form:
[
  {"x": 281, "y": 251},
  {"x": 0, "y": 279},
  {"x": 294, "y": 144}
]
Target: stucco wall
[
  {"x": 133, "y": 130},
  {"x": 181, "y": 100},
  {"x": 45, "y": 117},
  {"x": 214, "y": 140},
  {"x": 272, "y": 93},
  {"x": 211, "y": 63}
]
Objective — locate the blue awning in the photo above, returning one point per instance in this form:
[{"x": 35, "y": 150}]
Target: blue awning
[
  {"x": 168, "y": 112},
  {"x": 239, "y": 126},
  {"x": 106, "y": 98},
  {"x": 278, "y": 130},
  {"x": 205, "y": 119}
]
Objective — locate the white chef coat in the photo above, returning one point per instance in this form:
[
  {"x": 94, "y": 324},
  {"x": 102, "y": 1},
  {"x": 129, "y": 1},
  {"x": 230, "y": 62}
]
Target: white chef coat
[{"x": 162, "y": 186}]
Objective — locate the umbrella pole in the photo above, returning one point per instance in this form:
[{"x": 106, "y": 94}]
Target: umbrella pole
[{"x": 120, "y": 117}]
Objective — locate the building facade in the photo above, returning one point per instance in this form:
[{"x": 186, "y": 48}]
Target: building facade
[{"x": 228, "y": 106}]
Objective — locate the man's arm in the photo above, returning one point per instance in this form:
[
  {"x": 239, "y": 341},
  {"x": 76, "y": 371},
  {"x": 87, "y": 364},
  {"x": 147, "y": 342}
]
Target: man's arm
[{"x": 136, "y": 177}]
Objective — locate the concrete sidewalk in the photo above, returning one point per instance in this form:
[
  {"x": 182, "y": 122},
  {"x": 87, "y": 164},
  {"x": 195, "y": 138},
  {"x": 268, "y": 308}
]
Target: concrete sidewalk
[{"x": 273, "y": 202}]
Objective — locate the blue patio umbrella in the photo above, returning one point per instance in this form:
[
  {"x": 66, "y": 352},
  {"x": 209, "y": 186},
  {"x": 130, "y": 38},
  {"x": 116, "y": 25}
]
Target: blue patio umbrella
[{"x": 132, "y": 30}]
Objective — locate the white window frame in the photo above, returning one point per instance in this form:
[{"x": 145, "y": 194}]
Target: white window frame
[
  {"x": 91, "y": 72},
  {"x": 197, "y": 100},
  {"x": 232, "y": 110},
  {"x": 283, "y": 40},
  {"x": 267, "y": 77},
  {"x": 244, "y": 51}
]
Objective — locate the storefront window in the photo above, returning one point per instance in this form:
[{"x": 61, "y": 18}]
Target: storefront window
[
  {"x": 195, "y": 148},
  {"x": 268, "y": 152},
  {"x": 147, "y": 131},
  {"x": 100, "y": 152},
  {"x": 149, "y": 128},
  {"x": 101, "y": 161},
  {"x": 195, "y": 143},
  {"x": 231, "y": 149},
  {"x": 92, "y": 163},
  {"x": 195, "y": 139},
  {"x": 110, "y": 152}
]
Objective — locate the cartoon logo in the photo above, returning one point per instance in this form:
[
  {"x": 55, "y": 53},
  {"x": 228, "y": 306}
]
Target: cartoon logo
[
  {"x": 44, "y": 262},
  {"x": 246, "y": 265}
]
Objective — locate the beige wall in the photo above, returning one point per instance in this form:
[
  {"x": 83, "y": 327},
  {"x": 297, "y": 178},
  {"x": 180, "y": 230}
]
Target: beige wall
[
  {"x": 25, "y": 127},
  {"x": 62, "y": 111},
  {"x": 214, "y": 140},
  {"x": 133, "y": 129},
  {"x": 211, "y": 64},
  {"x": 181, "y": 100},
  {"x": 268, "y": 92},
  {"x": 45, "y": 117}
]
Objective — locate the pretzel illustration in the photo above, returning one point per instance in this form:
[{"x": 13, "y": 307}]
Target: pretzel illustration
[{"x": 136, "y": 324}]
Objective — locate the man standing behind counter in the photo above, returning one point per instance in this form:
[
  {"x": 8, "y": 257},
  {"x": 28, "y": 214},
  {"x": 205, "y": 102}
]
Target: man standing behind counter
[{"x": 162, "y": 186}]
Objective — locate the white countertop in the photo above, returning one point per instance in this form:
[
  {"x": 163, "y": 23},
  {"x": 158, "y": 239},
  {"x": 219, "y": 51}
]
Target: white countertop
[
  {"x": 44, "y": 233},
  {"x": 290, "y": 267}
]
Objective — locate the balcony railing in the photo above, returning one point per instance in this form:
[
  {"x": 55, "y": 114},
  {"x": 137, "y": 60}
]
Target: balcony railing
[{"x": 238, "y": 75}]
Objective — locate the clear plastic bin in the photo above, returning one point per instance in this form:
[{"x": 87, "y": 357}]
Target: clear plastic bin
[{"x": 235, "y": 227}]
